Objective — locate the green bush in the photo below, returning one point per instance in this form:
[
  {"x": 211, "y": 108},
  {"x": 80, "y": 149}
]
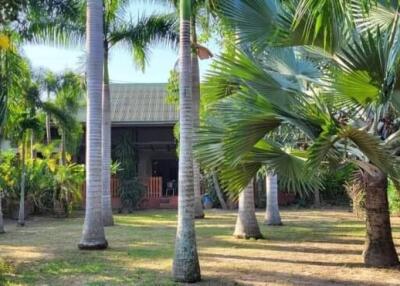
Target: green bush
[
  {"x": 131, "y": 193},
  {"x": 394, "y": 199},
  {"x": 334, "y": 192}
]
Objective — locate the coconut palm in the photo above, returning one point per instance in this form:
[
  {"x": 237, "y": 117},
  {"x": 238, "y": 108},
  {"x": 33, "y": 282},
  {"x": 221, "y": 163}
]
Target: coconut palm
[
  {"x": 93, "y": 236},
  {"x": 186, "y": 266},
  {"x": 272, "y": 215},
  {"x": 137, "y": 36}
]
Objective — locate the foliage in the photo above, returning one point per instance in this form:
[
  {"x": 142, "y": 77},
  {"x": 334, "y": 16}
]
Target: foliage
[
  {"x": 130, "y": 189},
  {"x": 334, "y": 182},
  {"x": 394, "y": 199},
  {"x": 173, "y": 88},
  {"x": 9, "y": 174},
  {"x": 315, "y": 88},
  {"x": 131, "y": 192},
  {"x": 46, "y": 180}
]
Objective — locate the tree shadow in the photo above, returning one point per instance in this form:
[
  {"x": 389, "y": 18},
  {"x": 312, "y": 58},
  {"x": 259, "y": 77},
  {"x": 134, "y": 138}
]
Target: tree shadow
[
  {"x": 280, "y": 260},
  {"x": 284, "y": 248},
  {"x": 297, "y": 279}
]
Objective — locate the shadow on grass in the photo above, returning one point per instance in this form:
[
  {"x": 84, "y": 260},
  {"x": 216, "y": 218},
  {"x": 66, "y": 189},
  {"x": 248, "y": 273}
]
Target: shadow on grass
[
  {"x": 281, "y": 278},
  {"x": 280, "y": 260}
]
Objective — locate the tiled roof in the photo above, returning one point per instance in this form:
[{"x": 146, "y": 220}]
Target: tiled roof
[{"x": 141, "y": 104}]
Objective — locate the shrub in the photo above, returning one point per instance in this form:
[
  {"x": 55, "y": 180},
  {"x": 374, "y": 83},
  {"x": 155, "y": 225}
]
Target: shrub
[{"x": 394, "y": 199}]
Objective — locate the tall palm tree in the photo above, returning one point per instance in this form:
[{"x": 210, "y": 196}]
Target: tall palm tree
[
  {"x": 186, "y": 266},
  {"x": 272, "y": 215},
  {"x": 50, "y": 84},
  {"x": 198, "y": 51},
  {"x": 137, "y": 36},
  {"x": 198, "y": 206},
  {"x": 93, "y": 236}
]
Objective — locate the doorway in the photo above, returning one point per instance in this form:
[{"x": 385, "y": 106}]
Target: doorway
[{"x": 168, "y": 170}]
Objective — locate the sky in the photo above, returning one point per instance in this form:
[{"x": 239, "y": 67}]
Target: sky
[{"x": 122, "y": 68}]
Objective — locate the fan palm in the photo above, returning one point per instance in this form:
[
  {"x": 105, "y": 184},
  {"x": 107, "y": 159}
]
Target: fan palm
[
  {"x": 186, "y": 266},
  {"x": 136, "y": 36},
  {"x": 317, "y": 95}
]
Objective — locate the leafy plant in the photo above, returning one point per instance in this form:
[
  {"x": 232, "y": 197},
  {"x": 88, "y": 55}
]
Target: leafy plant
[
  {"x": 394, "y": 199},
  {"x": 131, "y": 191}
]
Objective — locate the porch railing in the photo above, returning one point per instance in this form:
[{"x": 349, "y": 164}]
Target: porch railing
[
  {"x": 154, "y": 187},
  {"x": 152, "y": 184}
]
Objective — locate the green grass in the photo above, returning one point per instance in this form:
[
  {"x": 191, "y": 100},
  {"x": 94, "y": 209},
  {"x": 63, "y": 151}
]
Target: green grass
[{"x": 141, "y": 250}]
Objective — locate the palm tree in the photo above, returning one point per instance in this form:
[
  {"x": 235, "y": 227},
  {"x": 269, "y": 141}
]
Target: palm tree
[
  {"x": 93, "y": 236},
  {"x": 68, "y": 95},
  {"x": 246, "y": 222},
  {"x": 186, "y": 266},
  {"x": 50, "y": 84},
  {"x": 198, "y": 51},
  {"x": 116, "y": 32},
  {"x": 272, "y": 215},
  {"x": 319, "y": 95},
  {"x": 27, "y": 123}
]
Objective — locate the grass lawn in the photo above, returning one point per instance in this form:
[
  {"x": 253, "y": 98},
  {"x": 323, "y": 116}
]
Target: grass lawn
[{"x": 312, "y": 248}]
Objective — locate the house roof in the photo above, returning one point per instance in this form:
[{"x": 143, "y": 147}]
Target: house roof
[{"x": 140, "y": 104}]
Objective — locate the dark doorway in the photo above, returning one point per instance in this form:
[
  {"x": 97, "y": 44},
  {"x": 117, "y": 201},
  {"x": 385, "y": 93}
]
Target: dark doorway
[{"x": 168, "y": 170}]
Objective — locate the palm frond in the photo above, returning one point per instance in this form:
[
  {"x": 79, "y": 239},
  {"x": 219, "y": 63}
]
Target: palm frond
[
  {"x": 369, "y": 145},
  {"x": 263, "y": 14},
  {"x": 137, "y": 36},
  {"x": 374, "y": 16}
]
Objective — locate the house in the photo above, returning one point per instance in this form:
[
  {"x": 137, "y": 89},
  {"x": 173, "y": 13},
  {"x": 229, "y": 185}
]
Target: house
[{"x": 141, "y": 113}]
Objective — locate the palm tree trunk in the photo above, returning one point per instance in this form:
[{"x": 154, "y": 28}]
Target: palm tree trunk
[
  {"x": 379, "y": 249},
  {"x": 198, "y": 206},
  {"x": 317, "y": 199},
  {"x": 32, "y": 144},
  {"x": 93, "y": 236},
  {"x": 63, "y": 158},
  {"x": 272, "y": 215},
  {"x": 246, "y": 222},
  {"x": 1, "y": 214},
  {"x": 48, "y": 127},
  {"x": 21, "y": 213},
  {"x": 186, "y": 266},
  {"x": 218, "y": 191},
  {"x": 106, "y": 143}
]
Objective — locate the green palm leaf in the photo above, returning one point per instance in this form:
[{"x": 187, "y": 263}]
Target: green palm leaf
[{"x": 147, "y": 30}]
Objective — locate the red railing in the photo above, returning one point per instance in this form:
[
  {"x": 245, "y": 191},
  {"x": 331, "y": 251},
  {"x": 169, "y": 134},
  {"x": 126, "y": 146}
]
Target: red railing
[
  {"x": 154, "y": 187},
  {"x": 152, "y": 184}
]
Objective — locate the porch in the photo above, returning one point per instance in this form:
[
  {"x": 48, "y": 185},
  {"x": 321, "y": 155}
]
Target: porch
[{"x": 155, "y": 197}]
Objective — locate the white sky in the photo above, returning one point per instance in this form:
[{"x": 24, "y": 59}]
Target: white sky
[{"x": 122, "y": 69}]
